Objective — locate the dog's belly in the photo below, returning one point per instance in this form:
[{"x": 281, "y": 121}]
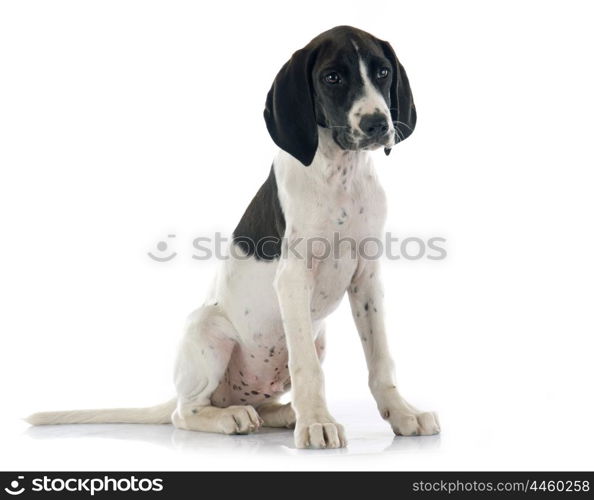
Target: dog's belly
[
  {"x": 255, "y": 373},
  {"x": 258, "y": 368},
  {"x": 258, "y": 371}
]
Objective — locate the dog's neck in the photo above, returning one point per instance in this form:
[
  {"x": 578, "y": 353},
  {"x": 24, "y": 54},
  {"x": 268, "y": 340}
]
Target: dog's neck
[{"x": 334, "y": 165}]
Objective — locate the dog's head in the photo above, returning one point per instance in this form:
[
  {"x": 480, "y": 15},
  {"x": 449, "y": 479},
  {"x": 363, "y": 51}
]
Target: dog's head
[{"x": 345, "y": 80}]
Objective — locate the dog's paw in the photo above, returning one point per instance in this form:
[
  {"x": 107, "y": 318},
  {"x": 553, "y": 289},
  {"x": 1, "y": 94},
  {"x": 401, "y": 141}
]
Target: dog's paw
[
  {"x": 319, "y": 434},
  {"x": 277, "y": 415},
  {"x": 412, "y": 423},
  {"x": 239, "y": 420}
]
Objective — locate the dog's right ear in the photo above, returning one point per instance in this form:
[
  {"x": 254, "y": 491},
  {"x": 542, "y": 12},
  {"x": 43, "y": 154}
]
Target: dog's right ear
[{"x": 290, "y": 110}]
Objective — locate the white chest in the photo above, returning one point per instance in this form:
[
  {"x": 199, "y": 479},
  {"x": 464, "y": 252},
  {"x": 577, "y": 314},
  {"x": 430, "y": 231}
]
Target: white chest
[{"x": 334, "y": 211}]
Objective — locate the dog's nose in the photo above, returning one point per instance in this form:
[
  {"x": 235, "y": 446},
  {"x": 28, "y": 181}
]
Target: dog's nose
[{"x": 374, "y": 125}]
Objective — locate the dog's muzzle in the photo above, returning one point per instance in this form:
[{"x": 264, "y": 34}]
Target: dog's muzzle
[{"x": 374, "y": 126}]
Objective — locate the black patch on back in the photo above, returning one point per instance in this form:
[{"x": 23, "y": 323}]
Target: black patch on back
[{"x": 262, "y": 227}]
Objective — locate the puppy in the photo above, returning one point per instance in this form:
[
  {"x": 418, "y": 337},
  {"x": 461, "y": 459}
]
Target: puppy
[{"x": 261, "y": 330}]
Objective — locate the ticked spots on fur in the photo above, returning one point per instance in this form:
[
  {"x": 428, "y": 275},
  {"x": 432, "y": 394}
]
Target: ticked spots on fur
[{"x": 342, "y": 217}]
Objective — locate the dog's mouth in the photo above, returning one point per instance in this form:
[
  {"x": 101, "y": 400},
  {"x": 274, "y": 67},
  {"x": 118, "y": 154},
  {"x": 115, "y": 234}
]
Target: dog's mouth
[
  {"x": 385, "y": 141},
  {"x": 351, "y": 139}
]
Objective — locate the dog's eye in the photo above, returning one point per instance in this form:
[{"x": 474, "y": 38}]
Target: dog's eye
[
  {"x": 332, "y": 78},
  {"x": 383, "y": 73}
]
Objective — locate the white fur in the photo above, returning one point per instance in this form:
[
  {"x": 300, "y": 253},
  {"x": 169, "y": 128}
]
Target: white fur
[
  {"x": 261, "y": 313},
  {"x": 371, "y": 101}
]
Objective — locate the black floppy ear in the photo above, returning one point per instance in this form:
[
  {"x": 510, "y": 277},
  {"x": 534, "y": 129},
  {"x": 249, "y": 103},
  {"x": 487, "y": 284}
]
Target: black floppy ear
[
  {"x": 290, "y": 111},
  {"x": 402, "y": 106}
]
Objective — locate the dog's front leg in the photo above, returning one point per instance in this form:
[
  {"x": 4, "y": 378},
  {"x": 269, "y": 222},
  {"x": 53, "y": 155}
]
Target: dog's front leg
[
  {"x": 366, "y": 298},
  {"x": 315, "y": 427}
]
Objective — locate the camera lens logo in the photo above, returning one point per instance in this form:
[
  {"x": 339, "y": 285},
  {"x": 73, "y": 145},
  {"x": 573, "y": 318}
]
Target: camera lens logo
[{"x": 14, "y": 487}]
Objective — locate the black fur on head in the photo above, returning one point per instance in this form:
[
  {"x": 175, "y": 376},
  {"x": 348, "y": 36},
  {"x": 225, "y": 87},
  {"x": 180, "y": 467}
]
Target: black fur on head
[{"x": 319, "y": 85}]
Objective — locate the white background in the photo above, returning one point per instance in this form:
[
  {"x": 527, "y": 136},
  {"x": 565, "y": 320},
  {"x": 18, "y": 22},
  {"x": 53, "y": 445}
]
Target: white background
[{"x": 124, "y": 121}]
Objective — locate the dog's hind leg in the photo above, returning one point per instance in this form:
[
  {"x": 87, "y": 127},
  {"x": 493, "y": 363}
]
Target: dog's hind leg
[
  {"x": 275, "y": 414},
  {"x": 203, "y": 357}
]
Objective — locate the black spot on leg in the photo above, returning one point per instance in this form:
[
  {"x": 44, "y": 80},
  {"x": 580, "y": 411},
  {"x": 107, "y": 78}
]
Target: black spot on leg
[
  {"x": 361, "y": 210},
  {"x": 252, "y": 356},
  {"x": 247, "y": 311},
  {"x": 255, "y": 393},
  {"x": 265, "y": 361},
  {"x": 367, "y": 306},
  {"x": 194, "y": 411},
  {"x": 266, "y": 395},
  {"x": 242, "y": 400},
  {"x": 246, "y": 393},
  {"x": 240, "y": 373}
]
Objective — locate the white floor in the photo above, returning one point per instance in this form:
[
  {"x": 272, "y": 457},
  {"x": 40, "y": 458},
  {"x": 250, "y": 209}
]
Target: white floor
[{"x": 371, "y": 447}]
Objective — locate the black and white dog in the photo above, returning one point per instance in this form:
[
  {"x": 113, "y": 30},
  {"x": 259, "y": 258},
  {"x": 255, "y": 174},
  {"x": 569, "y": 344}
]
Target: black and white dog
[{"x": 261, "y": 331}]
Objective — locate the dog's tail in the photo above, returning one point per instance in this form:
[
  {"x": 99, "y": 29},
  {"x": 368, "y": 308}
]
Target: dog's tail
[{"x": 159, "y": 414}]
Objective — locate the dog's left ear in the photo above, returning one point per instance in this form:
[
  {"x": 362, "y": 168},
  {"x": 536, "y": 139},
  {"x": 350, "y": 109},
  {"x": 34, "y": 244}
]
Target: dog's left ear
[
  {"x": 402, "y": 106},
  {"x": 290, "y": 111}
]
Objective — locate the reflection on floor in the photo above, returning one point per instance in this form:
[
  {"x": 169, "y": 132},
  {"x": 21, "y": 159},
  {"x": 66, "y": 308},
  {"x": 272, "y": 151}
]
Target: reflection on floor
[{"x": 367, "y": 434}]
